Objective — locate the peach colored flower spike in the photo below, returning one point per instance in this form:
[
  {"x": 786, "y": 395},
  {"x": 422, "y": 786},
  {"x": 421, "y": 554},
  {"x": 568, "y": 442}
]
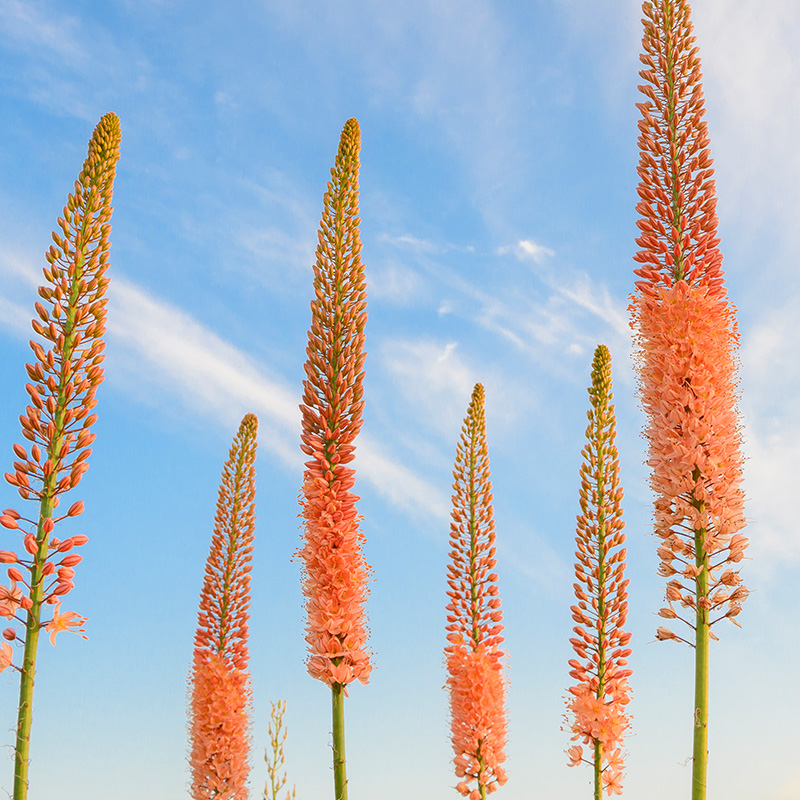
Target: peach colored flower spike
[
  {"x": 335, "y": 570},
  {"x": 219, "y": 713},
  {"x": 686, "y": 329},
  {"x": 687, "y": 339},
  {"x": 597, "y": 706},
  {"x": 476, "y": 680}
]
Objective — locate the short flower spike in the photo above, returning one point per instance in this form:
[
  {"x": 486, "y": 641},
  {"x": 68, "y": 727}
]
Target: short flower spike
[
  {"x": 597, "y": 714},
  {"x": 219, "y": 711},
  {"x": 474, "y": 619}
]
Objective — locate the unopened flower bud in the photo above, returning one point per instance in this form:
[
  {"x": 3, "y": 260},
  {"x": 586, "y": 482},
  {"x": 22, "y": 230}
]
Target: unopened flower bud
[
  {"x": 10, "y": 634},
  {"x": 75, "y": 509}
]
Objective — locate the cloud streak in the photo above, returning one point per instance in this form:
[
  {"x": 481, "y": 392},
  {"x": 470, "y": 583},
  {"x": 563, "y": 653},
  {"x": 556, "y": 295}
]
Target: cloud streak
[{"x": 161, "y": 346}]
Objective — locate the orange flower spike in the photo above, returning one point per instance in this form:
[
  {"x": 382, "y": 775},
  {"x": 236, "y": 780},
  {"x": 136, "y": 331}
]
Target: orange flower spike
[
  {"x": 64, "y": 379},
  {"x": 687, "y": 340},
  {"x": 219, "y": 712},
  {"x": 597, "y": 704},
  {"x": 335, "y": 572},
  {"x": 474, "y": 620}
]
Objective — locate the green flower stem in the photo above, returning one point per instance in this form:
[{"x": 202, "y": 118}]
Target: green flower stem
[
  {"x": 700, "y": 749},
  {"x": 28, "y": 674},
  {"x": 22, "y": 751},
  {"x": 339, "y": 765},
  {"x": 598, "y": 770}
]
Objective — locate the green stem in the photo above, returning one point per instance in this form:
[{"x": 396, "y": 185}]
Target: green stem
[
  {"x": 339, "y": 767},
  {"x": 28, "y": 672},
  {"x": 700, "y": 749},
  {"x": 598, "y": 770},
  {"x": 481, "y": 764}
]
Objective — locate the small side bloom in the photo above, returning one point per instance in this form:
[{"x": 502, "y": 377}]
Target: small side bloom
[
  {"x": 6, "y": 655},
  {"x": 68, "y": 621}
]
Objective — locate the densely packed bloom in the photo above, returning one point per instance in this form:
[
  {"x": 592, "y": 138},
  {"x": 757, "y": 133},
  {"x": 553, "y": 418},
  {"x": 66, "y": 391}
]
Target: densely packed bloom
[
  {"x": 474, "y": 620},
  {"x": 219, "y": 712},
  {"x": 66, "y": 372},
  {"x": 335, "y": 570},
  {"x": 596, "y": 708},
  {"x": 687, "y": 340}
]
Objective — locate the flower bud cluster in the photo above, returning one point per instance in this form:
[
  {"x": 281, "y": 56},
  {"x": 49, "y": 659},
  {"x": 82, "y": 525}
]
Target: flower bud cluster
[
  {"x": 64, "y": 379},
  {"x": 677, "y": 191}
]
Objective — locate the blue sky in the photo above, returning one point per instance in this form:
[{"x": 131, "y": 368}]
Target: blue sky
[{"x": 497, "y": 196}]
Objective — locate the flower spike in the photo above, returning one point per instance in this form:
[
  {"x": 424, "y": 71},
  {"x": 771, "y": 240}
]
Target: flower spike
[
  {"x": 65, "y": 374},
  {"x": 687, "y": 339},
  {"x": 474, "y": 620},
  {"x": 335, "y": 572},
  {"x": 597, "y": 705},
  {"x": 219, "y": 712}
]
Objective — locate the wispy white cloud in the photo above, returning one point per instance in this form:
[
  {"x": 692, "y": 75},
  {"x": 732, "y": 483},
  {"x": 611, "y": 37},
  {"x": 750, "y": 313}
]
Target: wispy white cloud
[
  {"x": 432, "y": 379},
  {"x": 213, "y": 376},
  {"x": 28, "y": 24},
  {"x": 395, "y": 282},
  {"x": 420, "y": 246},
  {"x": 527, "y": 249},
  {"x": 750, "y": 63},
  {"x": 160, "y": 347},
  {"x": 770, "y": 386}
]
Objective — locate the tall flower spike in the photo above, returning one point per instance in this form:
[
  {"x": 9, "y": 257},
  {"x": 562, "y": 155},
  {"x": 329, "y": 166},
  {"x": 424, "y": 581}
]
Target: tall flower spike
[
  {"x": 474, "y": 620},
  {"x": 219, "y": 711},
  {"x": 597, "y": 705},
  {"x": 334, "y": 567},
  {"x": 64, "y": 379},
  {"x": 687, "y": 339}
]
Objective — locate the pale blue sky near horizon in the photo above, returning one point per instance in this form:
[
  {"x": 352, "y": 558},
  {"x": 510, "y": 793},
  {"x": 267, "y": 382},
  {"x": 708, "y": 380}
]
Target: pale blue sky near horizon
[{"x": 498, "y": 186}]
